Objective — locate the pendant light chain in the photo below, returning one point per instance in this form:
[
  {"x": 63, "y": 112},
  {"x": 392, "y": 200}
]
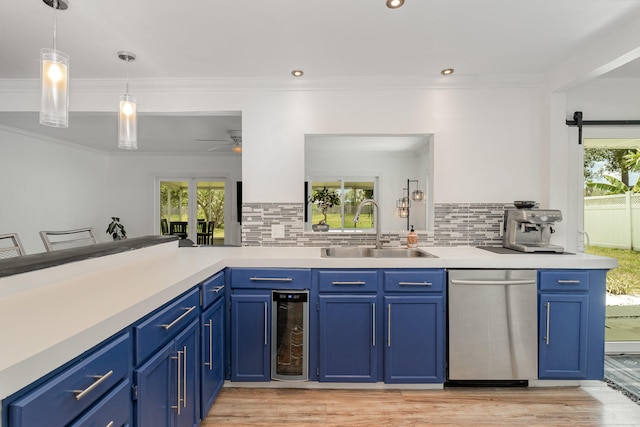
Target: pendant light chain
[
  {"x": 126, "y": 90},
  {"x": 55, "y": 23}
]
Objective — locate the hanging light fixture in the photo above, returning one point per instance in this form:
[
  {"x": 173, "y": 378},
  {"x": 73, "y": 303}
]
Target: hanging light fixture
[
  {"x": 54, "y": 77},
  {"x": 404, "y": 203},
  {"x": 127, "y": 117}
]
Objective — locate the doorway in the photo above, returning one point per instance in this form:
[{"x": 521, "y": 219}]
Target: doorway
[
  {"x": 193, "y": 208},
  {"x": 611, "y": 217}
]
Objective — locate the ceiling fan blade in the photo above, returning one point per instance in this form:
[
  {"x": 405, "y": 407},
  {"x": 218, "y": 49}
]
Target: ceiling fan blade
[
  {"x": 225, "y": 141},
  {"x": 217, "y": 148}
]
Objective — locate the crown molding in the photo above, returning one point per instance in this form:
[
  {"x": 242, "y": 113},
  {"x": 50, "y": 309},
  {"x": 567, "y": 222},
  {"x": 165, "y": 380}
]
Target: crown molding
[{"x": 304, "y": 84}]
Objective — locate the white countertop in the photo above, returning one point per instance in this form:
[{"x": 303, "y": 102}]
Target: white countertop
[{"x": 50, "y": 316}]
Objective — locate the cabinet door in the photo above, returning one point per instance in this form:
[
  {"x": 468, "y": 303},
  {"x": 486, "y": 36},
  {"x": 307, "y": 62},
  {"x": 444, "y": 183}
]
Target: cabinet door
[
  {"x": 212, "y": 354},
  {"x": 250, "y": 337},
  {"x": 348, "y": 339},
  {"x": 563, "y": 336},
  {"x": 167, "y": 384},
  {"x": 155, "y": 393},
  {"x": 188, "y": 378},
  {"x": 414, "y": 339}
]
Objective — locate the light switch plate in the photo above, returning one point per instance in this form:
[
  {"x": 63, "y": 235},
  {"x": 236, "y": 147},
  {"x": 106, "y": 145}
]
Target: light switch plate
[{"x": 277, "y": 231}]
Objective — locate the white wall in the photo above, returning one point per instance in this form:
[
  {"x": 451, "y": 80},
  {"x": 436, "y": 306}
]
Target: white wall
[
  {"x": 486, "y": 141},
  {"x": 49, "y": 186},
  {"x": 131, "y": 192}
]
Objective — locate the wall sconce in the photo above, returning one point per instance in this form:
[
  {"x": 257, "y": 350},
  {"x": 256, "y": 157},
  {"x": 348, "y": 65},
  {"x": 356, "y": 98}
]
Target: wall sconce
[
  {"x": 127, "y": 117},
  {"x": 404, "y": 203},
  {"x": 54, "y": 78}
]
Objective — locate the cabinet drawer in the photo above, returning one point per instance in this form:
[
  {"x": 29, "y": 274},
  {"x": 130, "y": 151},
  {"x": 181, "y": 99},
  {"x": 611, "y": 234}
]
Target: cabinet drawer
[
  {"x": 564, "y": 280},
  {"x": 112, "y": 410},
  {"x": 157, "y": 330},
  {"x": 212, "y": 289},
  {"x": 270, "y": 278},
  {"x": 414, "y": 281},
  {"x": 67, "y": 395},
  {"x": 348, "y": 281}
]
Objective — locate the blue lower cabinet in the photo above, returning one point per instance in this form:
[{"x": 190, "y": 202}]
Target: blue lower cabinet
[
  {"x": 211, "y": 354},
  {"x": 571, "y": 323},
  {"x": 64, "y": 397},
  {"x": 414, "y": 339},
  {"x": 168, "y": 384},
  {"x": 251, "y": 337},
  {"x": 563, "y": 336},
  {"x": 347, "y": 338}
]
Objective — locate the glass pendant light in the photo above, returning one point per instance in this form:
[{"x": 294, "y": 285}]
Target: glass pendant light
[
  {"x": 127, "y": 117},
  {"x": 417, "y": 196},
  {"x": 54, "y": 78}
]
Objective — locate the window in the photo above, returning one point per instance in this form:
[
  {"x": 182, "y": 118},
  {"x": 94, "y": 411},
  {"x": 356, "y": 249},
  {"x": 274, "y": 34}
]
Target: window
[
  {"x": 198, "y": 204},
  {"x": 350, "y": 192}
]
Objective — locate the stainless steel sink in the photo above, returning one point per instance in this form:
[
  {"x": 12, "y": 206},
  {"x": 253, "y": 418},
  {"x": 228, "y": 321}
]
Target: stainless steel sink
[{"x": 360, "y": 252}]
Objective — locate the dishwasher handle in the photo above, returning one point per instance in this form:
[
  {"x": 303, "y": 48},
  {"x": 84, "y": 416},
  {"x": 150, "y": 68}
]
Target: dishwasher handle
[{"x": 492, "y": 282}]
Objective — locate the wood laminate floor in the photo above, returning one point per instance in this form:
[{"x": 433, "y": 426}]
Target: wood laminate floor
[{"x": 594, "y": 404}]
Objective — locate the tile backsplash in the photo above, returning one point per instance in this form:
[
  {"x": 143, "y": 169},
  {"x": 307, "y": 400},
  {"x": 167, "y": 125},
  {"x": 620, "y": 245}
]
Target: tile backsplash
[{"x": 455, "y": 224}]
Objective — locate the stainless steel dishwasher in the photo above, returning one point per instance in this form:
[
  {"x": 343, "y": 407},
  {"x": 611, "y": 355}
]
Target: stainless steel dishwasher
[{"x": 492, "y": 318}]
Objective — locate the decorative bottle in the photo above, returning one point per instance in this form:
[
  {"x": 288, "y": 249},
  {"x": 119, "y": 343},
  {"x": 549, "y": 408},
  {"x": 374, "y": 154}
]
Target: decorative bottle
[{"x": 412, "y": 239}]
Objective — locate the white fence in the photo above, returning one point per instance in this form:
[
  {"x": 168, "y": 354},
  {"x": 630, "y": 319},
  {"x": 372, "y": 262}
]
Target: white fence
[{"x": 613, "y": 221}]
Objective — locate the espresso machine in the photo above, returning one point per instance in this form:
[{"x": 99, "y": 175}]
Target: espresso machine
[{"x": 528, "y": 229}]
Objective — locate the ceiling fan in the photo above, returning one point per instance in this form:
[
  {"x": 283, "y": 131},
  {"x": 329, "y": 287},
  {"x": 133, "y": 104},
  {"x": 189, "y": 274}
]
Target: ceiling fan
[{"x": 234, "y": 143}]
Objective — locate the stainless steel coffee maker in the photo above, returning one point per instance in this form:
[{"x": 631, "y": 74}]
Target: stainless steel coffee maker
[{"x": 528, "y": 229}]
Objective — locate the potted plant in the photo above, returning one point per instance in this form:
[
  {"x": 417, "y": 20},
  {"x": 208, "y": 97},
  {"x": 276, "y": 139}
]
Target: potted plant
[
  {"x": 116, "y": 230},
  {"x": 323, "y": 199}
]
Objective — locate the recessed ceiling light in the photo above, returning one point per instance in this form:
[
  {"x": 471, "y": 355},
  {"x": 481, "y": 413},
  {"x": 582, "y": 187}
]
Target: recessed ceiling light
[
  {"x": 297, "y": 73},
  {"x": 394, "y": 4},
  {"x": 447, "y": 71}
]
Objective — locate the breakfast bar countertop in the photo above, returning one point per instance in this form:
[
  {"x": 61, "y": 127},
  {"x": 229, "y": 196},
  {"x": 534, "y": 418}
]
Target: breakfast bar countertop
[{"x": 54, "y": 314}]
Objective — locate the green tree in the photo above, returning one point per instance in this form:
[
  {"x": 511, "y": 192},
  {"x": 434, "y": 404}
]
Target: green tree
[
  {"x": 614, "y": 186},
  {"x": 211, "y": 205},
  {"x": 614, "y": 161},
  {"x": 632, "y": 160}
]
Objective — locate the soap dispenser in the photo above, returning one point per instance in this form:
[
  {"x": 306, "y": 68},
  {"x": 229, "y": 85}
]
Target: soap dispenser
[{"x": 412, "y": 239}]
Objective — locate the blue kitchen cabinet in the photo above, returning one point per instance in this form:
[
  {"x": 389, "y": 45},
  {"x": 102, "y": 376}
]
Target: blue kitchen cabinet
[
  {"x": 348, "y": 338},
  {"x": 414, "y": 339},
  {"x": 414, "y": 318},
  {"x": 251, "y": 317},
  {"x": 212, "y": 354},
  {"x": 250, "y": 336},
  {"x": 167, "y": 385},
  {"x": 571, "y": 324},
  {"x": 83, "y": 388}
]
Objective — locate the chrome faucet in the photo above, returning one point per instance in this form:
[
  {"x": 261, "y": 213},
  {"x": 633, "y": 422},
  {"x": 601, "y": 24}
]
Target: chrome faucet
[{"x": 356, "y": 218}]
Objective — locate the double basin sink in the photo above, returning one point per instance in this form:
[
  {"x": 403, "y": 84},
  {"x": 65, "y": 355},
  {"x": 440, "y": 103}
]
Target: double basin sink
[{"x": 363, "y": 252}]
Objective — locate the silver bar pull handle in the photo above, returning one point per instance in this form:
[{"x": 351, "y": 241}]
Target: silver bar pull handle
[
  {"x": 271, "y": 279},
  {"x": 217, "y": 289},
  {"x": 389, "y": 325},
  {"x": 546, "y": 337},
  {"x": 182, "y": 316},
  {"x": 493, "y": 282},
  {"x": 373, "y": 322},
  {"x": 99, "y": 379},
  {"x": 265, "y": 324},
  {"x": 568, "y": 282},
  {"x": 184, "y": 376},
  {"x": 178, "y": 366},
  {"x": 210, "y": 326},
  {"x": 110, "y": 424},
  {"x": 415, "y": 283},
  {"x": 357, "y": 282}
]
